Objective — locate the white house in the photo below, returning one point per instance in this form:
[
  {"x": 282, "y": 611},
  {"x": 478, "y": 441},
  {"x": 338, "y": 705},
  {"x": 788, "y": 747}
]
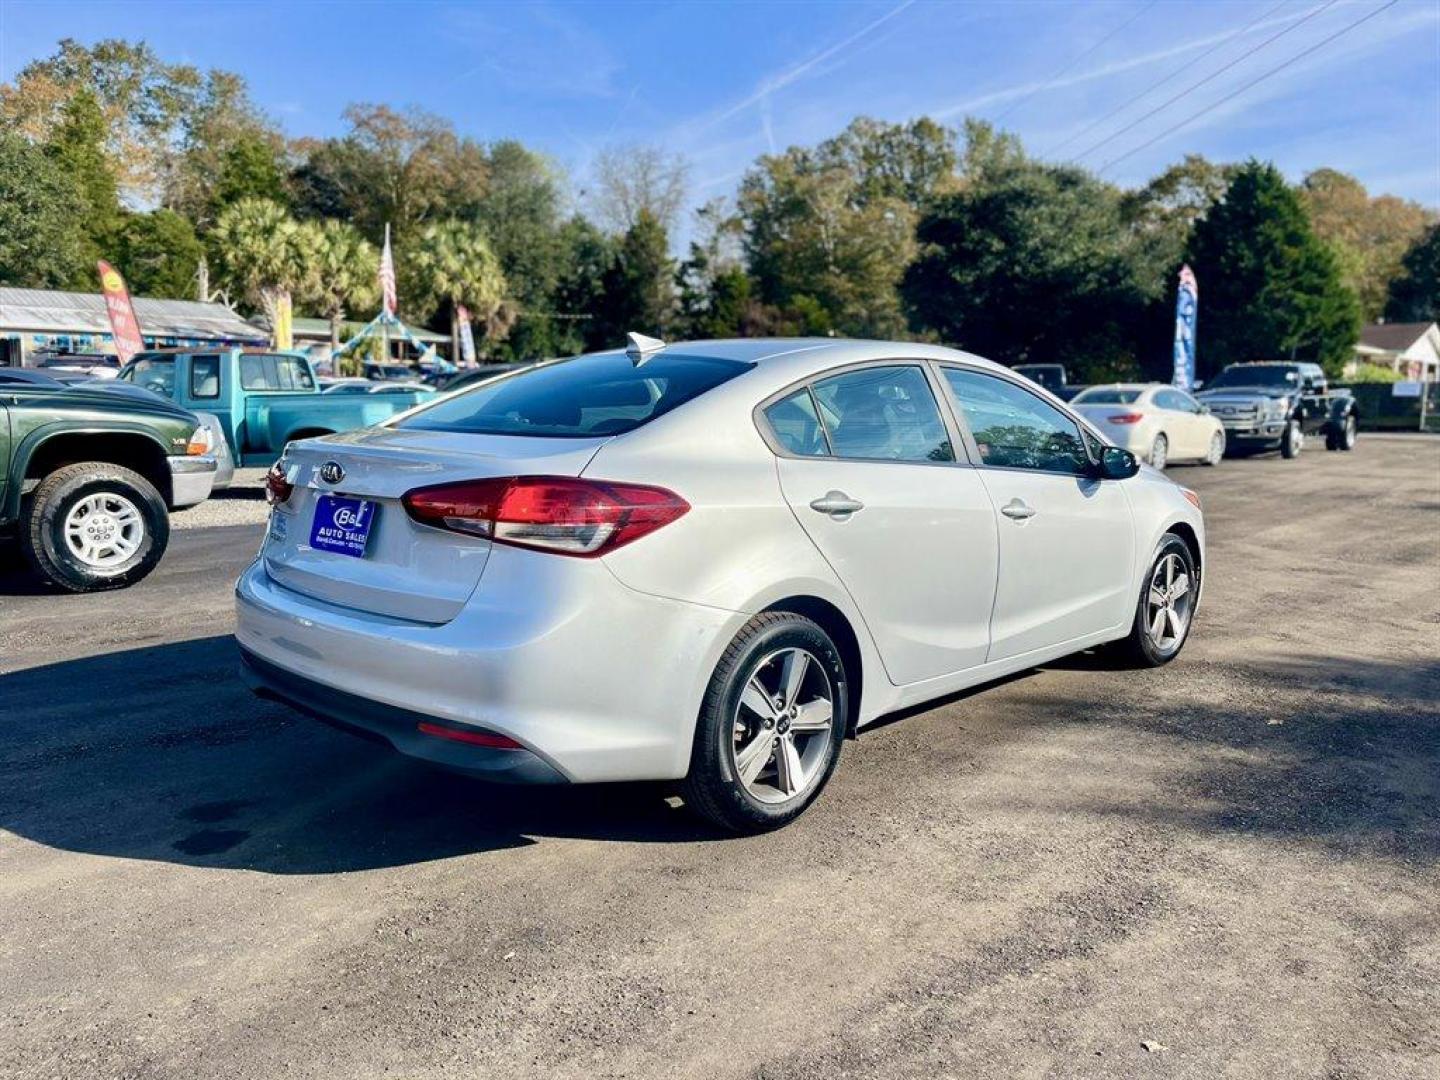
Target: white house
[{"x": 1412, "y": 349}]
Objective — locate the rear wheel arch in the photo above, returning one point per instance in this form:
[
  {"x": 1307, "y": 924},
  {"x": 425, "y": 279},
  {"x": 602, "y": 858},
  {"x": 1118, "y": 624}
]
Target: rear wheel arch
[{"x": 836, "y": 624}]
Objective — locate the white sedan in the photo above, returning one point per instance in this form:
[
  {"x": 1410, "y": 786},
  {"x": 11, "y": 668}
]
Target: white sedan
[
  {"x": 708, "y": 561},
  {"x": 1157, "y": 423}
]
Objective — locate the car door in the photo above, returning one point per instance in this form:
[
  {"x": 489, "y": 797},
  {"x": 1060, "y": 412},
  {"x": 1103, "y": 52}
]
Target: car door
[
  {"x": 1189, "y": 435},
  {"x": 869, "y": 467},
  {"x": 1066, "y": 538}
]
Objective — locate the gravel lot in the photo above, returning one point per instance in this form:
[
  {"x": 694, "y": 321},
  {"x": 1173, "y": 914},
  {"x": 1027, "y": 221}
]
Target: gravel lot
[
  {"x": 1227, "y": 867},
  {"x": 242, "y": 503}
]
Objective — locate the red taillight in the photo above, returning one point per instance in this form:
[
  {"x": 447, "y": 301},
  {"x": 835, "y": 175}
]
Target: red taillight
[
  {"x": 561, "y": 514},
  {"x": 474, "y": 738},
  {"x": 277, "y": 488},
  {"x": 1125, "y": 417}
]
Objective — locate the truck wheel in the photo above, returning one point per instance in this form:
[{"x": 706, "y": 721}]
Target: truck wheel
[
  {"x": 1293, "y": 441},
  {"x": 94, "y": 526},
  {"x": 1343, "y": 439}
]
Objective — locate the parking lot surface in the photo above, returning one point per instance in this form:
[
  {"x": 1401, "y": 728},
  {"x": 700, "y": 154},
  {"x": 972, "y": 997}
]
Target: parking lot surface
[{"x": 1227, "y": 866}]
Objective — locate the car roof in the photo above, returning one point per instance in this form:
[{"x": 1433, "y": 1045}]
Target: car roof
[{"x": 796, "y": 357}]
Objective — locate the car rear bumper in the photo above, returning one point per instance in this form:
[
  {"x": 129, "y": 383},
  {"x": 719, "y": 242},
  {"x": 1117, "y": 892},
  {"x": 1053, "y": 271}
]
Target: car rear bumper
[
  {"x": 598, "y": 681},
  {"x": 400, "y": 728},
  {"x": 191, "y": 479}
]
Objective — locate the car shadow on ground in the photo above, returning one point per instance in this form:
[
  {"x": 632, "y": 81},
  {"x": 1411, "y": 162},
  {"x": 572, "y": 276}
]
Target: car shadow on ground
[{"x": 160, "y": 753}]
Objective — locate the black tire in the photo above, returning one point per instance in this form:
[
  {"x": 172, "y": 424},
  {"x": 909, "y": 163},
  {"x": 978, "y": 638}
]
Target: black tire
[
  {"x": 1293, "y": 441},
  {"x": 1137, "y": 649},
  {"x": 1343, "y": 439},
  {"x": 713, "y": 789},
  {"x": 42, "y": 532}
]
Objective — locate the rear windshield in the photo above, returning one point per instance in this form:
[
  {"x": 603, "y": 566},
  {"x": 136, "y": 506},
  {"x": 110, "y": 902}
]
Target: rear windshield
[
  {"x": 1107, "y": 397},
  {"x": 584, "y": 397}
]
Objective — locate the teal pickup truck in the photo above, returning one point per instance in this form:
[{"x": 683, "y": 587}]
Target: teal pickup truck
[{"x": 263, "y": 398}]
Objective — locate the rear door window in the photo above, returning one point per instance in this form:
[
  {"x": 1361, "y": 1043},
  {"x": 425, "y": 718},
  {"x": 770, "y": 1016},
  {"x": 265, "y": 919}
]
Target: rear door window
[
  {"x": 883, "y": 414},
  {"x": 604, "y": 394}
]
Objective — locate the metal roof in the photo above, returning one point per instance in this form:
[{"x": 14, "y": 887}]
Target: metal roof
[{"x": 47, "y": 311}]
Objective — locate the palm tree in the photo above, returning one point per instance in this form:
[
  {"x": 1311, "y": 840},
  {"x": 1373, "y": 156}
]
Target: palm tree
[
  {"x": 343, "y": 271},
  {"x": 452, "y": 262},
  {"x": 259, "y": 253}
]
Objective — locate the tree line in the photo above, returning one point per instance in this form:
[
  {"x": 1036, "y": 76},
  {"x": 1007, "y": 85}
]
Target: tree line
[{"x": 887, "y": 230}]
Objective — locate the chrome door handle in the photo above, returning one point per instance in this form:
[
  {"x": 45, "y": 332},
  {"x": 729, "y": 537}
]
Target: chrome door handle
[
  {"x": 837, "y": 504},
  {"x": 1017, "y": 509}
]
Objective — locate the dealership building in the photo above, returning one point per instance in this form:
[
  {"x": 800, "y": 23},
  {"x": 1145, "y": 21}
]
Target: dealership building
[{"x": 32, "y": 320}]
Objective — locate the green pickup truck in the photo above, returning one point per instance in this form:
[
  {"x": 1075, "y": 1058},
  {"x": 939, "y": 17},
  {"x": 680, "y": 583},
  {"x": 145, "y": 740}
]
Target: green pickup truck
[
  {"x": 264, "y": 399},
  {"x": 88, "y": 477}
]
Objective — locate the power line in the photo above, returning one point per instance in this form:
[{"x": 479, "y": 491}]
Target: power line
[
  {"x": 1071, "y": 65},
  {"x": 1173, "y": 75},
  {"x": 1208, "y": 78},
  {"x": 1258, "y": 79}
]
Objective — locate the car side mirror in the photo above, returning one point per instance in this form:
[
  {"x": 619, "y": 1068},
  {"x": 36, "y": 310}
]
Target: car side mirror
[
  {"x": 1117, "y": 464},
  {"x": 1204, "y": 409}
]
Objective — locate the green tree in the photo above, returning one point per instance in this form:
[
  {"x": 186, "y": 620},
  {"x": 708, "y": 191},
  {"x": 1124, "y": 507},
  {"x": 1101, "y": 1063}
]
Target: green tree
[
  {"x": 1030, "y": 262},
  {"x": 39, "y": 205},
  {"x": 250, "y": 168},
  {"x": 638, "y": 291},
  {"x": 586, "y": 254},
  {"x": 714, "y": 292},
  {"x": 913, "y": 162},
  {"x": 810, "y": 233},
  {"x": 1370, "y": 236},
  {"x": 343, "y": 271},
  {"x": 1269, "y": 288},
  {"x": 451, "y": 263},
  {"x": 520, "y": 214},
  {"x": 398, "y": 168},
  {"x": 159, "y": 254},
  {"x": 1162, "y": 213},
  {"x": 77, "y": 146},
  {"x": 1415, "y": 291},
  {"x": 260, "y": 254}
]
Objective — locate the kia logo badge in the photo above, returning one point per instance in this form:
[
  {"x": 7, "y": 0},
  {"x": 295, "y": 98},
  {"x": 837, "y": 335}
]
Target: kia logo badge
[{"x": 332, "y": 472}]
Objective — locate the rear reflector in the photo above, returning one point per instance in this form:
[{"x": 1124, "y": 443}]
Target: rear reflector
[
  {"x": 474, "y": 738},
  {"x": 1125, "y": 417},
  {"x": 560, "y": 514}
]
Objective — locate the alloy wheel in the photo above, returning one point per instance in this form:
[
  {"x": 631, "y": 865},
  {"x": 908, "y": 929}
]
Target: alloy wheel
[
  {"x": 104, "y": 530},
  {"x": 1169, "y": 602},
  {"x": 1217, "y": 448},
  {"x": 782, "y": 726}
]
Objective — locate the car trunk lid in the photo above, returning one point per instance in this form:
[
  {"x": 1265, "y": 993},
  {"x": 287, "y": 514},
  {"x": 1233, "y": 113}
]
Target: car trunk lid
[{"x": 408, "y": 571}]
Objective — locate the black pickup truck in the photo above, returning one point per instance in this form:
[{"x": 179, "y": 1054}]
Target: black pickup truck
[{"x": 1274, "y": 406}]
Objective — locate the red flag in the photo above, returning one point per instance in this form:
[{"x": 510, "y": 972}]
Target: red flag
[
  {"x": 387, "y": 277},
  {"x": 123, "y": 324}
]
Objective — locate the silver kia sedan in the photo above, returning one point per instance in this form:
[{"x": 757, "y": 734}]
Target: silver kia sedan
[{"x": 706, "y": 561}]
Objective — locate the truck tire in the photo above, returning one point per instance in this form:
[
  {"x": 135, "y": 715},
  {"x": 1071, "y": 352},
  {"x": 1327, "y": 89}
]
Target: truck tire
[
  {"x": 1344, "y": 437},
  {"x": 1293, "y": 441},
  {"x": 93, "y": 526}
]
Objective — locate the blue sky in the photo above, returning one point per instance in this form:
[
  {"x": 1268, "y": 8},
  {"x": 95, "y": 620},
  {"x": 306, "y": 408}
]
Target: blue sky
[{"x": 723, "y": 83}]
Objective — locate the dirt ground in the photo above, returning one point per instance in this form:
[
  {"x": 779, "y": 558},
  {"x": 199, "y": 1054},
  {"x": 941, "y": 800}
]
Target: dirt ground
[{"x": 1230, "y": 866}]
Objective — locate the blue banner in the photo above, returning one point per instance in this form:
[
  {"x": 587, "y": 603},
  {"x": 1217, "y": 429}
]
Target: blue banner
[{"x": 1187, "y": 299}]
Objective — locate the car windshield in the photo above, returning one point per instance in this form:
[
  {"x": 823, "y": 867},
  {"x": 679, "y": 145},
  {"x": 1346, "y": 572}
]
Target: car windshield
[
  {"x": 588, "y": 396},
  {"x": 1256, "y": 375},
  {"x": 1109, "y": 396}
]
